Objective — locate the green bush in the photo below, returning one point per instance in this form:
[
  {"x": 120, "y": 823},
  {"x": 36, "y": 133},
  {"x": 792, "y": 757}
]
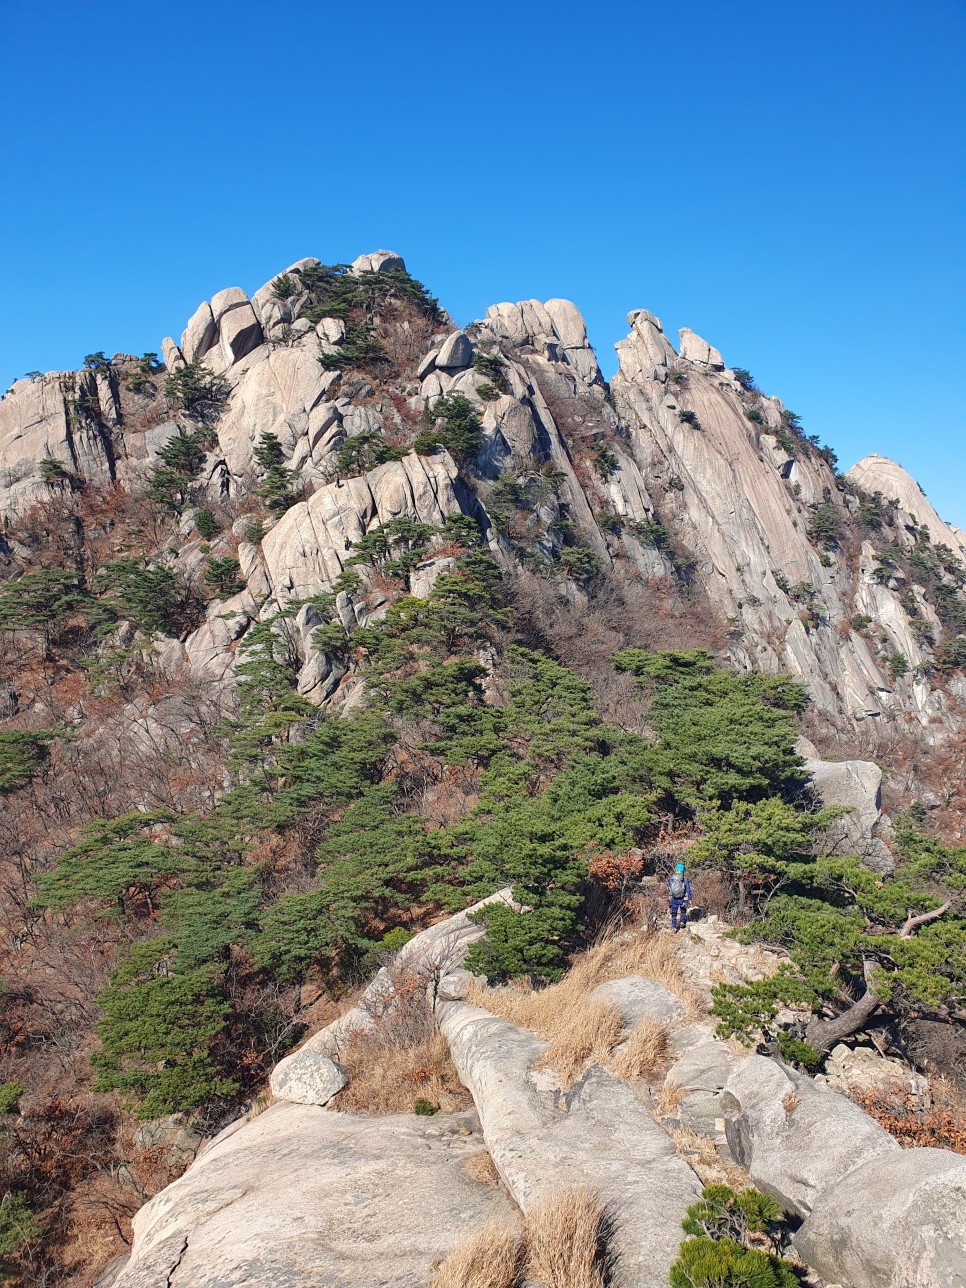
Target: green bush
[
  {"x": 130, "y": 590},
  {"x": 898, "y": 664},
  {"x": 454, "y": 424},
  {"x": 689, "y": 418},
  {"x": 755, "y": 416},
  {"x": 722, "y": 1263},
  {"x": 823, "y": 527},
  {"x": 18, "y": 1226},
  {"x": 605, "y": 462},
  {"x": 10, "y": 1093},
  {"x": 745, "y": 379},
  {"x": 21, "y": 754},
  {"x": 579, "y": 562},
  {"x": 197, "y": 391},
  {"x": 424, "y": 1108},
  {"x": 206, "y": 525},
  {"x": 223, "y": 575},
  {"x": 277, "y": 481},
  {"x": 284, "y": 286}
]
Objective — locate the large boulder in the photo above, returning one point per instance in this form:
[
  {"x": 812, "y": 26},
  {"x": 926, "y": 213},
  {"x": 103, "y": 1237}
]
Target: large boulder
[
  {"x": 796, "y": 1137},
  {"x": 857, "y": 786},
  {"x": 301, "y": 1198},
  {"x": 694, "y": 349},
  {"x": 456, "y": 352},
  {"x": 895, "y": 1221},
  {"x": 379, "y": 261}
]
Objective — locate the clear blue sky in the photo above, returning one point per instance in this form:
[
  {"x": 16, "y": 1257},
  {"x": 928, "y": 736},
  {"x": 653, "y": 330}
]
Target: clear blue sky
[{"x": 785, "y": 178}]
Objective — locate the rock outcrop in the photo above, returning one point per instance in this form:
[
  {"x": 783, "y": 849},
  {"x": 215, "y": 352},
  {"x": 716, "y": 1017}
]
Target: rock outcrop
[
  {"x": 301, "y": 1198},
  {"x": 875, "y": 1216},
  {"x": 692, "y": 454}
]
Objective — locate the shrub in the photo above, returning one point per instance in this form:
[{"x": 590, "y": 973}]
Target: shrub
[
  {"x": 823, "y": 526},
  {"x": 722, "y": 1263},
  {"x": 254, "y": 532},
  {"x": 18, "y": 1226},
  {"x": 21, "y": 754},
  {"x": 284, "y": 286},
  {"x": 745, "y": 379},
  {"x": 579, "y": 562},
  {"x": 97, "y": 362},
  {"x": 950, "y": 655},
  {"x": 609, "y": 521},
  {"x": 10, "y": 1093},
  {"x": 363, "y": 452},
  {"x": 206, "y": 525},
  {"x": 755, "y": 416},
  {"x": 197, "y": 391},
  {"x": 493, "y": 366},
  {"x": 277, "y": 481},
  {"x": 424, "y": 1108},
  {"x": 689, "y": 418},
  {"x": 860, "y": 622},
  {"x": 222, "y": 575},
  {"x": 359, "y": 348},
  {"x": 491, "y": 1257},
  {"x": 567, "y": 1237},
  {"x": 605, "y": 462},
  {"x": 452, "y": 423},
  {"x": 898, "y": 664},
  {"x": 131, "y": 590}
]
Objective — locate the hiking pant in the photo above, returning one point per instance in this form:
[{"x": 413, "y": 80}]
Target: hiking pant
[{"x": 679, "y": 907}]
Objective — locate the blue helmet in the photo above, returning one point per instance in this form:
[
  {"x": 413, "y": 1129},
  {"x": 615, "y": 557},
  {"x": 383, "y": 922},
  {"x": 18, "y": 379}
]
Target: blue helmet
[{"x": 679, "y": 867}]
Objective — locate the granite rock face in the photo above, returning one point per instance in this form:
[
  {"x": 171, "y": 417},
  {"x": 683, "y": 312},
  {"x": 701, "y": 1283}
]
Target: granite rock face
[{"x": 302, "y": 1198}]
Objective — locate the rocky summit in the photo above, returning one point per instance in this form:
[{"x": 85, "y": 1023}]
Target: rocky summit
[{"x": 363, "y": 681}]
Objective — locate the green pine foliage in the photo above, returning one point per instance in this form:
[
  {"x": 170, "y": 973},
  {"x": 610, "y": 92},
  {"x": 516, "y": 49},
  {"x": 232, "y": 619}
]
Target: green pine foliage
[
  {"x": 19, "y": 1226},
  {"x": 130, "y": 590},
  {"x": 277, "y": 482},
  {"x": 722, "y": 1263},
  {"x": 718, "y": 1255},
  {"x": 452, "y": 423},
  {"x": 198, "y": 392},
  {"x": 21, "y": 755}
]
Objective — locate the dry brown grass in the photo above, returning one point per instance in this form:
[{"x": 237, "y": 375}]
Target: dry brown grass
[
  {"x": 790, "y": 1102},
  {"x": 644, "y": 1053},
  {"x": 588, "y": 1033},
  {"x": 701, "y": 1155},
  {"x": 388, "y": 1076},
  {"x": 567, "y": 1241},
  {"x": 491, "y": 1257},
  {"x": 480, "y": 1167},
  {"x": 667, "y": 1099},
  {"x": 583, "y": 1031}
]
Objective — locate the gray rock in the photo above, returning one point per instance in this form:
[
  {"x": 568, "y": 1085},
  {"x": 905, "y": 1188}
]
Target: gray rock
[
  {"x": 232, "y": 297},
  {"x": 856, "y": 785},
  {"x": 863, "y": 1069},
  {"x": 704, "y": 1067},
  {"x": 896, "y": 1221},
  {"x": 636, "y": 997},
  {"x": 299, "y": 1197},
  {"x": 597, "y": 1135},
  {"x": 456, "y": 352},
  {"x": 797, "y": 1138},
  {"x": 240, "y": 332},
  {"x": 694, "y": 349},
  {"x": 200, "y": 333},
  {"x": 307, "y": 1078},
  {"x": 171, "y": 354},
  {"x": 380, "y": 261}
]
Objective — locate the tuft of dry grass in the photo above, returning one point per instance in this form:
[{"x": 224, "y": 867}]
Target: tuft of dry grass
[
  {"x": 388, "y": 1076},
  {"x": 490, "y": 1257},
  {"x": 643, "y": 1054},
  {"x": 667, "y": 1099},
  {"x": 480, "y": 1167},
  {"x": 567, "y": 1241},
  {"x": 587, "y": 1035},
  {"x": 701, "y": 1155},
  {"x": 790, "y": 1102}
]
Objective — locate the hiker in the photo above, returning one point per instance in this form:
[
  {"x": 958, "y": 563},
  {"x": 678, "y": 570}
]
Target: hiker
[{"x": 679, "y": 896}]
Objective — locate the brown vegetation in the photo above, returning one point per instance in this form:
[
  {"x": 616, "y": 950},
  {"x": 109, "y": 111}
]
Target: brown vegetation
[
  {"x": 941, "y": 1126},
  {"x": 583, "y": 1031},
  {"x": 567, "y": 1238},
  {"x": 400, "y": 1060},
  {"x": 491, "y": 1257}
]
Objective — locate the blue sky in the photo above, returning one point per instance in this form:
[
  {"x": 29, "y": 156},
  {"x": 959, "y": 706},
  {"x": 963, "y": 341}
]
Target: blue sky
[{"x": 786, "y": 179}]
